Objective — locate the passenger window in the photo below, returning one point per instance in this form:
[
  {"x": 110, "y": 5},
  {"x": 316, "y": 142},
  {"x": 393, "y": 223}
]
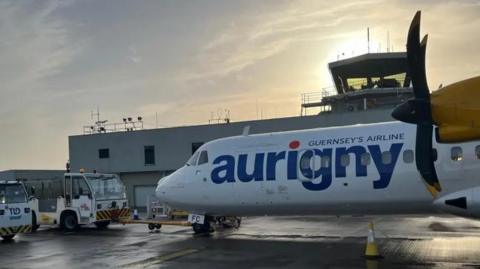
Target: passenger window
[
  {"x": 305, "y": 161},
  {"x": 408, "y": 156},
  {"x": 345, "y": 160},
  {"x": 203, "y": 158},
  {"x": 326, "y": 161},
  {"x": 386, "y": 157},
  {"x": 477, "y": 152},
  {"x": 456, "y": 154},
  {"x": 193, "y": 159},
  {"x": 365, "y": 158}
]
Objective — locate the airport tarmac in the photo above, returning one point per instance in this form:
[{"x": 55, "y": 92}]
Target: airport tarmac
[{"x": 261, "y": 242}]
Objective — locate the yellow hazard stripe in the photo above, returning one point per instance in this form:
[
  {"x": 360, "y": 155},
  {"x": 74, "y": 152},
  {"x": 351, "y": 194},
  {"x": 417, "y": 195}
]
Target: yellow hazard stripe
[
  {"x": 108, "y": 214},
  {"x": 15, "y": 229},
  {"x": 103, "y": 215}
]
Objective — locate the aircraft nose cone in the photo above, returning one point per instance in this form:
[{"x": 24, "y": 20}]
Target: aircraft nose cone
[{"x": 161, "y": 190}]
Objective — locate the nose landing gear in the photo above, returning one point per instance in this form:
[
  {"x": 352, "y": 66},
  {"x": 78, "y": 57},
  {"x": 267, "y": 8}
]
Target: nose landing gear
[
  {"x": 211, "y": 223},
  {"x": 205, "y": 228}
]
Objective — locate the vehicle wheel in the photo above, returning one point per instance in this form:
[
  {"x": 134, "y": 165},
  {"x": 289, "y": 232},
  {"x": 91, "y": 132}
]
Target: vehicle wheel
[
  {"x": 69, "y": 222},
  {"x": 102, "y": 224},
  {"x": 201, "y": 228},
  {"x": 8, "y": 237},
  {"x": 35, "y": 226},
  {"x": 151, "y": 226},
  {"x": 158, "y": 226}
]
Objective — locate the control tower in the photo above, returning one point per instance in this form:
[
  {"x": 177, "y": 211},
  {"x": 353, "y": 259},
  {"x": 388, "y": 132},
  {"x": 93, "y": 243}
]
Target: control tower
[{"x": 368, "y": 81}]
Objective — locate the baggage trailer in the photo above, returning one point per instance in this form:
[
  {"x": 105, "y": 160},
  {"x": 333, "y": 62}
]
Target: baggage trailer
[
  {"x": 15, "y": 212},
  {"x": 154, "y": 224}
]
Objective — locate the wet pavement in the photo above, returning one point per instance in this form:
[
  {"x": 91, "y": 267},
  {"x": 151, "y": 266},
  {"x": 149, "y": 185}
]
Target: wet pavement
[{"x": 263, "y": 242}]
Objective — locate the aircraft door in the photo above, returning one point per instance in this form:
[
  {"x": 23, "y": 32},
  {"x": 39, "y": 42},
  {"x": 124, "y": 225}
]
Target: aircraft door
[{"x": 81, "y": 196}]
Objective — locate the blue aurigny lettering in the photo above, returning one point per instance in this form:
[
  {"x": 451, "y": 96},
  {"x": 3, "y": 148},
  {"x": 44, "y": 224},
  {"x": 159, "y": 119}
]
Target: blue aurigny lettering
[{"x": 227, "y": 169}]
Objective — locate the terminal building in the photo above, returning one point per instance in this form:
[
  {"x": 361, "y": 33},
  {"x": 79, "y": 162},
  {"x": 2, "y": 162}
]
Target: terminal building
[{"x": 366, "y": 88}]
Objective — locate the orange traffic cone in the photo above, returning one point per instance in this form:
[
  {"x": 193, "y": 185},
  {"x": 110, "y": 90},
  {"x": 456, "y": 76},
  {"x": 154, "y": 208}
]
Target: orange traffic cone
[{"x": 371, "y": 250}]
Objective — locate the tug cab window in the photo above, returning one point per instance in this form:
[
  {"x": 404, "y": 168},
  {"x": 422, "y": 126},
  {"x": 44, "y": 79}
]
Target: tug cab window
[
  {"x": 80, "y": 187},
  {"x": 456, "y": 154},
  {"x": 203, "y": 158},
  {"x": 408, "y": 156},
  {"x": 477, "y": 152}
]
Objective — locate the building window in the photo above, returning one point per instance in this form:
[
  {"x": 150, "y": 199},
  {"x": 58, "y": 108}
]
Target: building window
[
  {"x": 149, "y": 152},
  {"x": 103, "y": 153},
  {"x": 195, "y": 146},
  {"x": 456, "y": 154},
  {"x": 408, "y": 156}
]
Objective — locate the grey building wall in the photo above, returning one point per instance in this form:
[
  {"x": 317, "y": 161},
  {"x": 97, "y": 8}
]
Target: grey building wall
[{"x": 173, "y": 146}]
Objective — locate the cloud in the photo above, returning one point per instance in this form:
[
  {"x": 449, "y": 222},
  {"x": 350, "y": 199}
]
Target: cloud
[
  {"x": 35, "y": 46},
  {"x": 37, "y": 43},
  {"x": 254, "y": 37},
  {"x": 134, "y": 57}
]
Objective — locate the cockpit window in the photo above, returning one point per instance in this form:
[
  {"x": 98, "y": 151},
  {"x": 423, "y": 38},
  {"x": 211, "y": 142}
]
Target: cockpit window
[
  {"x": 193, "y": 159},
  {"x": 203, "y": 158}
]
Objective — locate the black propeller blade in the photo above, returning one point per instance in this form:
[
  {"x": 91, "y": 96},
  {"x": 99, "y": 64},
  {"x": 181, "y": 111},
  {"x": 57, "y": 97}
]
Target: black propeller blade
[{"x": 418, "y": 110}]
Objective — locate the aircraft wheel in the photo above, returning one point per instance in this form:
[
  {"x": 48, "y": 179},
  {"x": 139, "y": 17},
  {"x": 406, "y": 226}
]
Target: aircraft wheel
[{"x": 202, "y": 228}]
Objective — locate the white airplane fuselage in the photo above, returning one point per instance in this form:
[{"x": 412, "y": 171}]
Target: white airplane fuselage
[{"x": 308, "y": 172}]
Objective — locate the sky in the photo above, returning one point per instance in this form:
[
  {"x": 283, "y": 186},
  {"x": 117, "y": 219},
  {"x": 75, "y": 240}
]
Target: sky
[{"x": 179, "y": 63}]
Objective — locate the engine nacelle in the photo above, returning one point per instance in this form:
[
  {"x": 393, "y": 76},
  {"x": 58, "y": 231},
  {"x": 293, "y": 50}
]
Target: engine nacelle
[
  {"x": 456, "y": 111},
  {"x": 464, "y": 203}
]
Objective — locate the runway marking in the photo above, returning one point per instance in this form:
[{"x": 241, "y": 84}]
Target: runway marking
[{"x": 160, "y": 259}]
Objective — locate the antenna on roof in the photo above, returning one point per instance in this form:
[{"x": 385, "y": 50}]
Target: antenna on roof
[
  {"x": 368, "y": 39},
  {"x": 388, "y": 40}
]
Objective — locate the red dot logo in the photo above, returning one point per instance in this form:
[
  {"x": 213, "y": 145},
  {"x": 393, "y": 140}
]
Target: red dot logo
[{"x": 294, "y": 144}]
